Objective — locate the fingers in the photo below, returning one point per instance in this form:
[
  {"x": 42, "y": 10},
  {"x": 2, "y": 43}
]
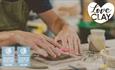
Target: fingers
[
  {"x": 53, "y": 52},
  {"x": 79, "y": 43},
  {"x": 66, "y": 42},
  {"x": 29, "y": 41},
  {"x": 58, "y": 39},
  {"x": 70, "y": 44},
  {"x": 62, "y": 41},
  {"x": 48, "y": 47},
  {"x": 76, "y": 47},
  {"x": 41, "y": 44},
  {"x": 50, "y": 40},
  {"x": 70, "y": 41},
  {"x": 47, "y": 44},
  {"x": 57, "y": 51},
  {"x": 37, "y": 49}
]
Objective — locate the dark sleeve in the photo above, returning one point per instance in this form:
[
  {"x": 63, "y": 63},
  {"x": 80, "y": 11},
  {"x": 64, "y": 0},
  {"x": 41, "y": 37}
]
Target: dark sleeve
[{"x": 39, "y": 6}]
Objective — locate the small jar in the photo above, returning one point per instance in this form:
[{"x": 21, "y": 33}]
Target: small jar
[{"x": 96, "y": 40}]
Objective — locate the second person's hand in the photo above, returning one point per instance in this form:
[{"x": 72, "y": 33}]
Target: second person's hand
[{"x": 69, "y": 39}]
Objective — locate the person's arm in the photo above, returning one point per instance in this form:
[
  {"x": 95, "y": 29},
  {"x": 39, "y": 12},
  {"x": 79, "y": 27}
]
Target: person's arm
[
  {"x": 41, "y": 44},
  {"x": 54, "y": 22},
  {"x": 65, "y": 33},
  {"x": 7, "y": 38},
  {"x": 44, "y": 9}
]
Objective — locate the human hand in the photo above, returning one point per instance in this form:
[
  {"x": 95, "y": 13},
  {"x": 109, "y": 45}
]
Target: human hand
[
  {"x": 41, "y": 44},
  {"x": 69, "y": 39}
]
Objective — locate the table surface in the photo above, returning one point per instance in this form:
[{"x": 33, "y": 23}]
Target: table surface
[{"x": 91, "y": 62}]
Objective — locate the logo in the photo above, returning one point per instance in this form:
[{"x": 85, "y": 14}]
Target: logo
[
  {"x": 8, "y": 56},
  {"x": 11, "y": 58},
  {"x": 100, "y": 14},
  {"x": 23, "y": 56}
]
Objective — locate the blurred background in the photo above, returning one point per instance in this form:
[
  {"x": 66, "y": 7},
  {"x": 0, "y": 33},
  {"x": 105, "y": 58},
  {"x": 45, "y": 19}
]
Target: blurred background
[{"x": 75, "y": 13}]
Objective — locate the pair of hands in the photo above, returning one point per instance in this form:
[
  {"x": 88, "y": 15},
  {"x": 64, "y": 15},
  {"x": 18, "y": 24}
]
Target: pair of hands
[{"x": 66, "y": 42}]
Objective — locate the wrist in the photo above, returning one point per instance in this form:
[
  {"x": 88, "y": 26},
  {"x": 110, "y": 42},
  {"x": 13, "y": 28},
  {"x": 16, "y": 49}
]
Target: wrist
[
  {"x": 13, "y": 35},
  {"x": 70, "y": 27}
]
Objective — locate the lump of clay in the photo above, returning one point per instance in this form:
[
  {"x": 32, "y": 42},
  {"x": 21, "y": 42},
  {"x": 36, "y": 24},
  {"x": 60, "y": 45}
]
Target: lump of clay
[{"x": 62, "y": 57}]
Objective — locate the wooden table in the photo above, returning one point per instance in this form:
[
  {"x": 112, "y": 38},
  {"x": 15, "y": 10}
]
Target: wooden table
[{"x": 92, "y": 63}]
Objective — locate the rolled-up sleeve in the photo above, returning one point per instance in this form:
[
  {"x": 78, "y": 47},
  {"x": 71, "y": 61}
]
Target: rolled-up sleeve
[{"x": 39, "y": 6}]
